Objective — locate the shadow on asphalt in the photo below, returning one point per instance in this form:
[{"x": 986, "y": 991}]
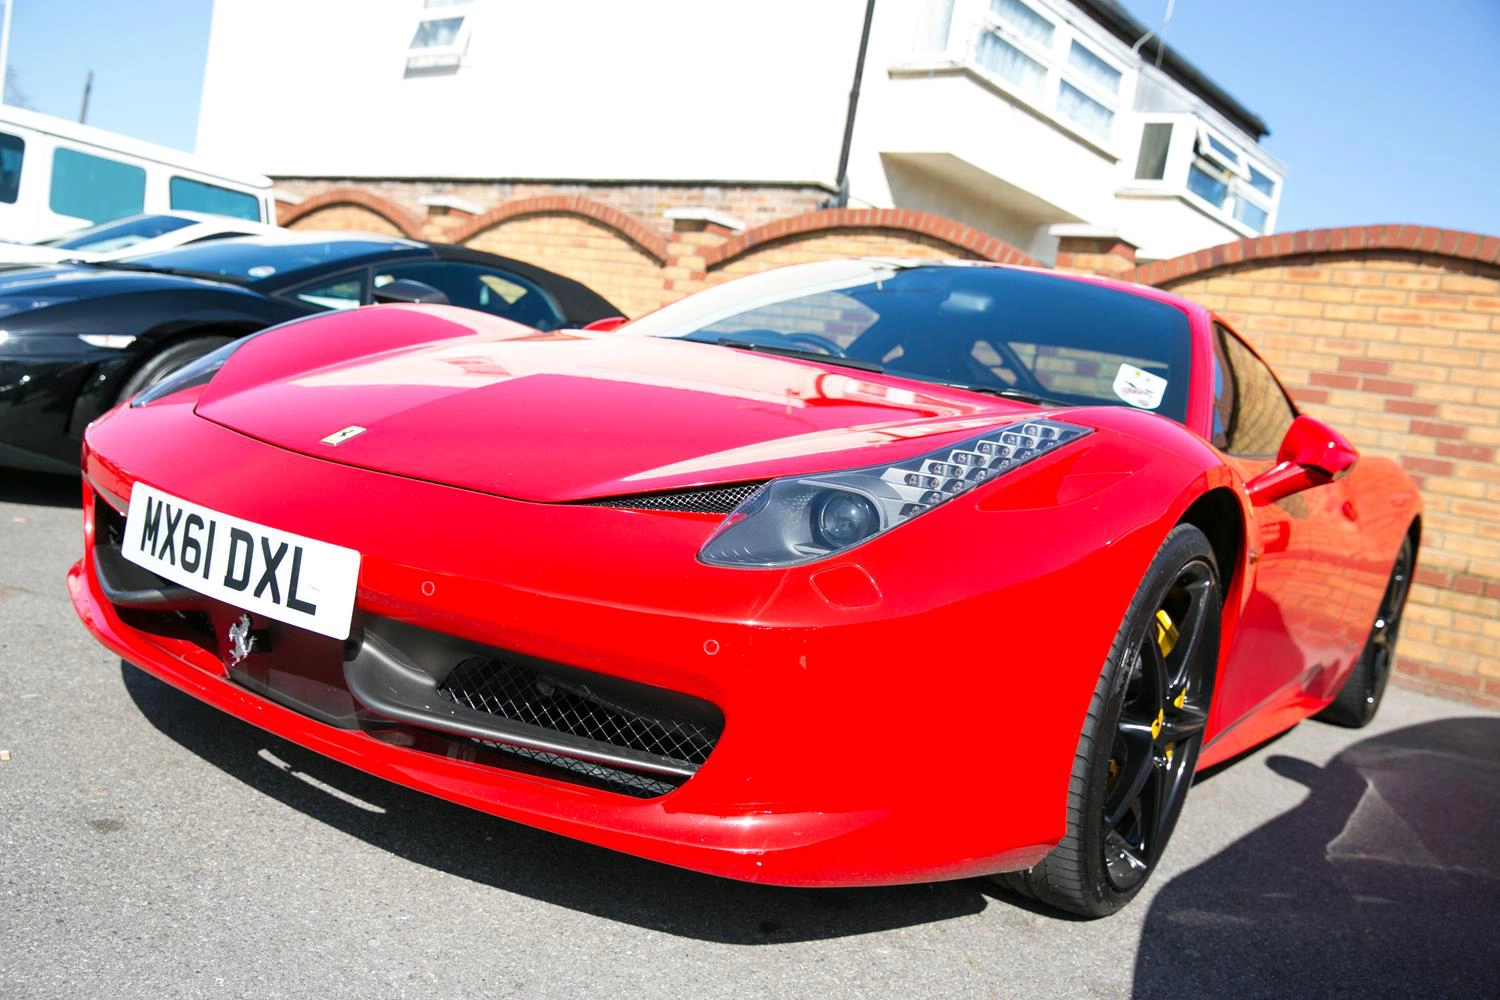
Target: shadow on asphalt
[
  {"x": 40, "y": 489},
  {"x": 1382, "y": 883},
  {"x": 534, "y": 863}
]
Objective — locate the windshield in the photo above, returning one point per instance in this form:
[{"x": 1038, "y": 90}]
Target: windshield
[
  {"x": 120, "y": 234},
  {"x": 255, "y": 259},
  {"x": 992, "y": 329}
]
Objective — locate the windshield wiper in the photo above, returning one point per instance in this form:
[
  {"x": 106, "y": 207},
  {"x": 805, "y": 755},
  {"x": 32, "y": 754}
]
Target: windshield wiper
[
  {"x": 1006, "y": 392},
  {"x": 799, "y": 353}
]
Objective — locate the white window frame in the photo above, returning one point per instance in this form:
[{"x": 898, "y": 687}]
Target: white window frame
[
  {"x": 1187, "y": 148},
  {"x": 1044, "y": 57},
  {"x": 1235, "y": 171},
  {"x": 1205, "y": 148},
  {"x": 1054, "y": 60},
  {"x": 1088, "y": 87},
  {"x": 437, "y": 58}
]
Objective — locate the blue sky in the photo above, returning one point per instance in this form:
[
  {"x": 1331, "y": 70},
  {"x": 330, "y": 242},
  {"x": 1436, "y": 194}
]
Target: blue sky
[{"x": 1383, "y": 110}]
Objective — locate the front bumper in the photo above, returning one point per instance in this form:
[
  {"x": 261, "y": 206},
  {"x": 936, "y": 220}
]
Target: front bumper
[
  {"x": 921, "y": 733},
  {"x": 48, "y": 394}
]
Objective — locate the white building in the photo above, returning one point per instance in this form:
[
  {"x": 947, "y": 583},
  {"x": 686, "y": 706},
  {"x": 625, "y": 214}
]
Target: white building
[{"x": 1013, "y": 116}]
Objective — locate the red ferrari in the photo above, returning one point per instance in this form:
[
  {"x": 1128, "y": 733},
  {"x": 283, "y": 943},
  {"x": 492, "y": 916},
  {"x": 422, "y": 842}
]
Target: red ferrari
[{"x": 849, "y": 573}]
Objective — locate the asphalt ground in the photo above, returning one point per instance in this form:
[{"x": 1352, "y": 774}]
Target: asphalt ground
[{"x": 152, "y": 847}]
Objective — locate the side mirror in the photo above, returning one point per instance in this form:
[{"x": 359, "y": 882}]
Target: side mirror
[
  {"x": 606, "y": 324},
  {"x": 407, "y": 290},
  {"x": 1311, "y": 454}
]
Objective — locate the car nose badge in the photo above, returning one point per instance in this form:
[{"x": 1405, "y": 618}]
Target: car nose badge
[{"x": 243, "y": 641}]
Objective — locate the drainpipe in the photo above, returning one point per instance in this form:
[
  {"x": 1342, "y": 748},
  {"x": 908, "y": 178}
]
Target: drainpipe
[{"x": 841, "y": 199}]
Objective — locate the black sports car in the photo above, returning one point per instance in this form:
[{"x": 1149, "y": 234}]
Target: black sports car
[{"x": 75, "y": 338}]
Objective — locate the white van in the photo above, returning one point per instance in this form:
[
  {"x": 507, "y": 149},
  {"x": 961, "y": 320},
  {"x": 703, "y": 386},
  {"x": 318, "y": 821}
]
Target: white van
[{"x": 57, "y": 176}]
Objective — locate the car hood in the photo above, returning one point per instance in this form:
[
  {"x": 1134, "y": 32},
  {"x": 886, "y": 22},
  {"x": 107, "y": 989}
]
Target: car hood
[
  {"x": 58, "y": 283},
  {"x": 460, "y": 398}
]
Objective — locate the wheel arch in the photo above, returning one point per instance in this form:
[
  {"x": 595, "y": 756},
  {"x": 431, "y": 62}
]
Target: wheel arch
[{"x": 1218, "y": 514}]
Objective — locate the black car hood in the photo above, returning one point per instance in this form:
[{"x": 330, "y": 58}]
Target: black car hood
[{"x": 57, "y": 283}]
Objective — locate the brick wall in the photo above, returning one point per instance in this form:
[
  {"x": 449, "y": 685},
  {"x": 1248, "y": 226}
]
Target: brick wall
[
  {"x": 1390, "y": 333},
  {"x": 753, "y": 204}
]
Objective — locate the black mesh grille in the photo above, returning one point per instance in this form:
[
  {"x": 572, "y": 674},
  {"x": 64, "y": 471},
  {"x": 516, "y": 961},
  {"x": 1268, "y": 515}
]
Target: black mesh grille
[
  {"x": 718, "y": 500},
  {"x": 642, "y": 786},
  {"x": 517, "y": 693}
]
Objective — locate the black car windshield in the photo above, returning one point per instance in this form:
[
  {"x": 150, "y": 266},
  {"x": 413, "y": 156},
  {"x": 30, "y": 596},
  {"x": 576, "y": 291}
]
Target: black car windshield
[
  {"x": 255, "y": 259},
  {"x": 121, "y": 233},
  {"x": 999, "y": 330}
]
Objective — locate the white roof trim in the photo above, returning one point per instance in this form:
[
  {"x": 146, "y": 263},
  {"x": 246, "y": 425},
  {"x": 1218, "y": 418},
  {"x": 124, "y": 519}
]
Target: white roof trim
[
  {"x": 706, "y": 215},
  {"x": 451, "y": 201}
]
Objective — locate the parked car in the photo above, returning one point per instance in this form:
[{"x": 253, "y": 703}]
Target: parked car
[
  {"x": 57, "y": 175},
  {"x": 79, "y": 338},
  {"x": 851, "y": 573},
  {"x": 134, "y": 235}
]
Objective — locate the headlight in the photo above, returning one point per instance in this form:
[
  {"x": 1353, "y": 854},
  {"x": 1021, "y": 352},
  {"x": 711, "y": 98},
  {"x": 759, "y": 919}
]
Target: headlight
[
  {"x": 199, "y": 372},
  {"x": 803, "y": 518}
]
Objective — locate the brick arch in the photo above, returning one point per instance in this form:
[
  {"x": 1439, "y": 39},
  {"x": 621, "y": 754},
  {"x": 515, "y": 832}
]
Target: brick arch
[
  {"x": 405, "y": 222},
  {"x": 626, "y": 225},
  {"x": 1453, "y": 244},
  {"x": 962, "y": 238}
]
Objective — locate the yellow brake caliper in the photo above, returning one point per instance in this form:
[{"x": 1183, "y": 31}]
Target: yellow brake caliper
[{"x": 1166, "y": 638}]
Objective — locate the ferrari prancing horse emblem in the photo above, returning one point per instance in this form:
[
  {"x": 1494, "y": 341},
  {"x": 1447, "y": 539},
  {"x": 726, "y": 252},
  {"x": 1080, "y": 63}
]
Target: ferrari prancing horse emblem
[{"x": 240, "y": 640}]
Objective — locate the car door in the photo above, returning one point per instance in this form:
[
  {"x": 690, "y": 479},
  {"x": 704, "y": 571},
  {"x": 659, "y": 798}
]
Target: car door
[
  {"x": 1302, "y": 548},
  {"x": 476, "y": 286}
]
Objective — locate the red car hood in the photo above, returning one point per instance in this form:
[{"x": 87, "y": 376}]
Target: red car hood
[{"x": 455, "y": 397}]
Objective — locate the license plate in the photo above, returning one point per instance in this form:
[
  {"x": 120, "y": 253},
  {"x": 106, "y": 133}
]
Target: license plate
[{"x": 297, "y": 580}]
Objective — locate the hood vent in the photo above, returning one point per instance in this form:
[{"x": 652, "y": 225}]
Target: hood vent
[{"x": 716, "y": 500}]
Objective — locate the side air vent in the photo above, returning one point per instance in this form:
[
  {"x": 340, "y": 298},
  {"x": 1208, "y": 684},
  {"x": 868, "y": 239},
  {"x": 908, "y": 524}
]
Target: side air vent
[{"x": 717, "y": 500}]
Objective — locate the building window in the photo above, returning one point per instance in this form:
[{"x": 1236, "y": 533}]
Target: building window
[
  {"x": 1156, "y": 140},
  {"x": 1011, "y": 64},
  {"x": 441, "y": 38},
  {"x": 1224, "y": 177},
  {"x": 1043, "y": 61},
  {"x": 1024, "y": 21},
  {"x": 93, "y": 188}
]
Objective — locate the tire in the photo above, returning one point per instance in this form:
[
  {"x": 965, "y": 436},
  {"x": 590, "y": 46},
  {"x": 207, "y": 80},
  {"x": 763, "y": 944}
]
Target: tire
[
  {"x": 1359, "y": 699},
  {"x": 166, "y": 361},
  {"x": 1140, "y": 741}
]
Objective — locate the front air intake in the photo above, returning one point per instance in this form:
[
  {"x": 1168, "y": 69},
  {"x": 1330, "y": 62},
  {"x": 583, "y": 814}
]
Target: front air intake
[{"x": 572, "y": 707}]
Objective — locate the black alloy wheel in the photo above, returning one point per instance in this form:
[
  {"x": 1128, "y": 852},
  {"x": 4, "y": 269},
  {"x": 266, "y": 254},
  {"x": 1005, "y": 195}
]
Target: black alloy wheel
[
  {"x": 1359, "y": 699},
  {"x": 1140, "y": 744}
]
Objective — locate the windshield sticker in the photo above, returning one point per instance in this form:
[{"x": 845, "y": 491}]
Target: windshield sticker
[{"x": 1140, "y": 388}]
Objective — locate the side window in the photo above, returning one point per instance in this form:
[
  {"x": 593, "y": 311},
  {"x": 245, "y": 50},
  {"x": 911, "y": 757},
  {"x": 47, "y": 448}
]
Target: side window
[
  {"x": 487, "y": 289},
  {"x": 1251, "y": 411},
  {"x": 343, "y": 292},
  {"x": 12, "y": 151},
  {"x": 196, "y": 196},
  {"x": 94, "y": 188}
]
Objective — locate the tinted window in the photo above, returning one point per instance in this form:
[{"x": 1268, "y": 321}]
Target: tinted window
[
  {"x": 94, "y": 188},
  {"x": 196, "y": 196},
  {"x": 122, "y": 234},
  {"x": 12, "y": 152},
  {"x": 487, "y": 289},
  {"x": 988, "y": 327},
  {"x": 256, "y": 259},
  {"x": 1251, "y": 412},
  {"x": 343, "y": 292}
]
